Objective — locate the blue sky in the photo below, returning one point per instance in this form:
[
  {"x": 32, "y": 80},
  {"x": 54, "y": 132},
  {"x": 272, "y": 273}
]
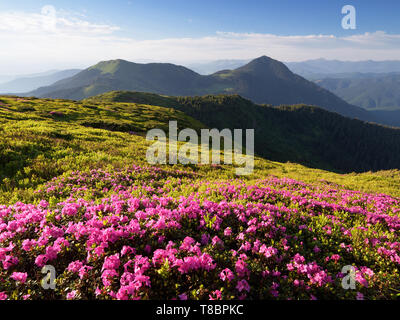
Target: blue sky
[
  {"x": 155, "y": 19},
  {"x": 171, "y": 30}
]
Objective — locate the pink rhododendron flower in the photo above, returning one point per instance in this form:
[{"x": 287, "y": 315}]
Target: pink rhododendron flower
[
  {"x": 9, "y": 261},
  {"x": 72, "y": 295},
  {"x": 227, "y": 274},
  {"x": 19, "y": 276},
  {"x": 111, "y": 263},
  {"x": 183, "y": 296},
  {"x": 243, "y": 286}
]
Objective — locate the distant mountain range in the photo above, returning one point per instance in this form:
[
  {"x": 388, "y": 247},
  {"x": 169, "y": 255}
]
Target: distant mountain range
[
  {"x": 370, "y": 91},
  {"x": 31, "y": 82},
  {"x": 263, "y": 80},
  {"x": 8, "y": 77},
  {"x": 310, "y": 69}
]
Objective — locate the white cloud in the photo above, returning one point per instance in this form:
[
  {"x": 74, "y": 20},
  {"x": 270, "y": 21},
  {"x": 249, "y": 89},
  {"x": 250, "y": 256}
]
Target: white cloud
[
  {"x": 50, "y": 21},
  {"x": 34, "y": 42}
]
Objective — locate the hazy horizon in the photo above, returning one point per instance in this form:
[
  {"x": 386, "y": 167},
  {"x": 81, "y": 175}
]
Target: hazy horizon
[
  {"x": 63, "y": 34},
  {"x": 40, "y": 72}
]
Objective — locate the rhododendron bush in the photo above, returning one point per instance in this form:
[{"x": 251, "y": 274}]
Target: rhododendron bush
[{"x": 147, "y": 233}]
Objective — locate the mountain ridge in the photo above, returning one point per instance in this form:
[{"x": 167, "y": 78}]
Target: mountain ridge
[
  {"x": 262, "y": 80},
  {"x": 32, "y": 82},
  {"x": 302, "y": 134},
  {"x": 370, "y": 92},
  {"x": 310, "y": 68}
]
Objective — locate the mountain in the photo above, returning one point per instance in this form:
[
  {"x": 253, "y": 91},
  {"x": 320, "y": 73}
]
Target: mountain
[
  {"x": 32, "y": 82},
  {"x": 302, "y": 134},
  {"x": 9, "y": 77},
  {"x": 6, "y": 78},
  {"x": 267, "y": 81},
  {"x": 346, "y": 75},
  {"x": 310, "y": 68},
  {"x": 163, "y": 78},
  {"x": 262, "y": 80},
  {"x": 211, "y": 67},
  {"x": 370, "y": 92}
]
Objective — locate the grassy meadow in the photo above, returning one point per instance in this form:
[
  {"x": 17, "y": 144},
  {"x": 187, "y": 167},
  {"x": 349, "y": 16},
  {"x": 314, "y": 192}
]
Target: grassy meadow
[{"x": 76, "y": 192}]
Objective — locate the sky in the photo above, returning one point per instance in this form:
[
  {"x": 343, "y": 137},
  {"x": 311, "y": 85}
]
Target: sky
[{"x": 38, "y": 35}]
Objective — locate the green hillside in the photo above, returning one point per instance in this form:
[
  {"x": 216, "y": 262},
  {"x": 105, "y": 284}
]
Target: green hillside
[
  {"x": 84, "y": 200},
  {"x": 119, "y": 74},
  {"x": 301, "y": 134},
  {"x": 40, "y": 139}
]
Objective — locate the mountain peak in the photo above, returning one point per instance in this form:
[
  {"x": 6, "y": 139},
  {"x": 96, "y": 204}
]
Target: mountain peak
[
  {"x": 110, "y": 66},
  {"x": 263, "y": 58},
  {"x": 263, "y": 80},
  {"x": 266, "y": 66}
]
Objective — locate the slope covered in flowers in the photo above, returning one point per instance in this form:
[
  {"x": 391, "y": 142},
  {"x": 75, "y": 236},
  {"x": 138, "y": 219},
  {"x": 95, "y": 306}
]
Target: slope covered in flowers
[
  {"x": 71, "y": 197},
  {"x": 148, "y": 233}
]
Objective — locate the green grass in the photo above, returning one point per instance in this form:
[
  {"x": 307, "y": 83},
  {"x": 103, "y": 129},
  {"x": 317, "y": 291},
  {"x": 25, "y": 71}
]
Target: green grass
[{"x": 36, "y": 146}]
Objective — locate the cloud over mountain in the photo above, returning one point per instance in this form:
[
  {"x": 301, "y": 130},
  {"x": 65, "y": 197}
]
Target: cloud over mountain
[{"x": 66, "y": 39}]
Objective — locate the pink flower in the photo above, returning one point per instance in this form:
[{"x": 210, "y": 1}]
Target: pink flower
[
  {"x": 3, "y": 296},
  {"x": 83, "y": 272},
  {"x": 183, "y": 296},
  {"x": 217, "y": 241},
  {"x": 227, "y": 232},
  {"x": 44, "y": 204},
  {"x": 335, "y": 257},
  {"x": 19, "y": 276},
  {"x": 243, "y": 286},
  {"x": 215, "y": 295},
  {"x": 106, "y": 277},
  {"x": 367, "y": 271},
  {"x": 226, "y": 274},
  {"x": 268, "y": 252},
  {"x": 241, "y": 268},
  {"x": 72, "y": 295},
  {"x": 70, "y": 209},
  {"x": 361, "y": 279},
  {"x": 97, "y": 292},
  {"x": 75, "y": 266},
  {"x": 41, "y": 260},
  {"x": 112, "y": 262},
  {"x": 28, "y": 244},
  {"x": 127, "y": 250},
  {"x": 9, "y": 261}
]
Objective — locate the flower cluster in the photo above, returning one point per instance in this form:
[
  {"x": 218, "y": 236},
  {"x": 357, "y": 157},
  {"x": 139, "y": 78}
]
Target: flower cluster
[{"x": 143, "y": 234}]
